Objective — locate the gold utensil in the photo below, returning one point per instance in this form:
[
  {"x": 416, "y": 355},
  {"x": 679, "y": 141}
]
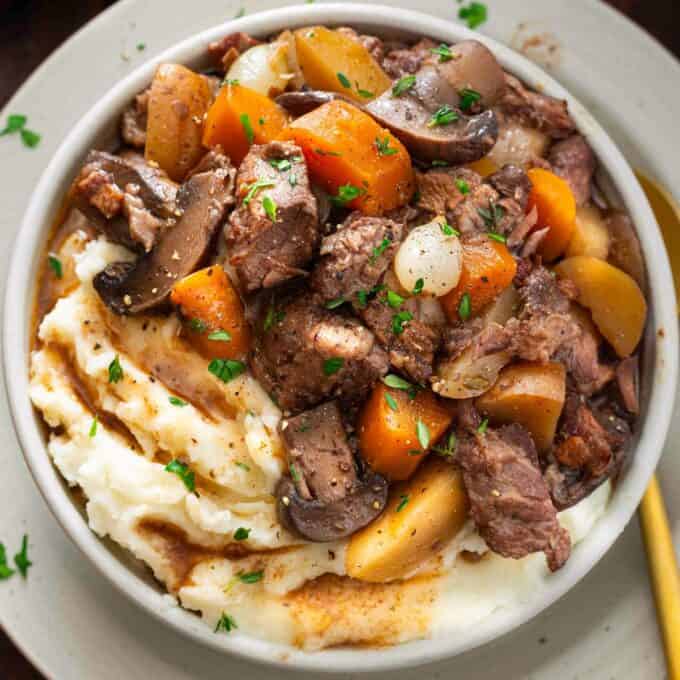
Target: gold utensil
[{"x": 663, "y": 565}]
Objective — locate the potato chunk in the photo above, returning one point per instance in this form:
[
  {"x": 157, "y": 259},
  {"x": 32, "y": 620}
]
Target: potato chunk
[
  {"x": 615, "y": 301},
  {"x": 332, "y": 61},
  {"x": 529, "y": 394},
  {"x": 591, "y": 235},
  {"x": 178, "y": 101},
  {"x": 421, "y": 516}
]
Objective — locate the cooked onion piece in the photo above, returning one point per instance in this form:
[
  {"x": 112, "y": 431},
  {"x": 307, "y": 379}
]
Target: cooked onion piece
[{"x": 430, "y": 254}]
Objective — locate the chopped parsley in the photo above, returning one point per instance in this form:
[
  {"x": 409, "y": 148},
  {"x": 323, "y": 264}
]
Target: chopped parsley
[
  {"x": 496, "y": 237},
  {"x": 17, "y": 123},
  {"x": 418, "y": 288},
  {"x": 220, "y": 336},
  {"x": 444, "y": 52},
  {"x": 439, "y": 164},
  {"x": 468, "y": 98},
  {"x": 399, "y": 320},
  {"x": 21, "y": 558},
  {"x": 379, "y": 250},
  {"x": 363, "y": 296},
  {"x": 448, "y": 230},
  {"x": 397, "y": 382},
  {"x": 346, "y": 194},
  {"x": 247, "y": 128},
  {"x": 241, "y": 534},
  {"x": 344, "y": 80},
  {"x": 270, "y": 207},
  {"x": 226, "y": 622},
  {"x": 364, "y": 93},
  {"x": 93, "y": 428},
  {"x": 403, "y": 85},
  {"x": 115, "y": 370},
  {"x": 391, "y": 401},
  {"x": 141, "y": 47},
  {"x": 383, "y": 147},
  {"x": 462, "y": 186},
  {"x": 283, "y": 164},
  {"x": 493, "y": 215},
  {"x": 473, "y": 15},
  {"x": 450, "y": 447},
  {"x": 423, "y": 433},
  {"x": 444, "y": 115},
  {"x": 334, "y": 304},
  {"x": 251, "y": 577},
  {"x": 176, "y": 401},
  {"x": 197, "y": 326},
  {"x": 55, "y": 265},
  {"x": 483, "y": 425},
  {"x": 464, "y": 307},
  {"x": 226, "y": 369},
  {"x": 230, "y": 81},
  {"x": 241, "y": 12},
  {"x": 323, "y": 152},
  {"x": 333, "y": 365},
  {"x": 177, "y": 467},
  {"x": 255, "y": 187},
  {"x": 273, "y": 316},
  {"x": 393, "y": 299},
  {"x": 5, "y": 570},
  {"x": 241, "y": 465},
  {"x": 294, "y": 474},
  {"x": 403, "y": 502}
]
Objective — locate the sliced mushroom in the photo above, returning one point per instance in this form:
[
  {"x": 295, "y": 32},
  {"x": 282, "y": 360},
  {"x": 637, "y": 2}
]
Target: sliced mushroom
[
  {"x": 202, "y": 204},
  {"x": 325, "y": 498},
  {"x": 299, "y": 103}
]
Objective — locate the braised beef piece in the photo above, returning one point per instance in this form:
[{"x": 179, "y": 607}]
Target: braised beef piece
[
  {"x": 483, "y": 210},
  {"x": 512, "y": 182},
  {"x": 404, "y": 61},
  {"x": 440, "y": 190},
  {"x": 536, "y": 110},
  {"x": 548, "y": 327},
  {"x": 274, "y": 231},
  {"x": 326, "y": 497},
  {"x": 410, "y": 343},
  {"x": 224, "y": 51},
  {"x": 591, "y": 446},
  {"x": 127, "y": 199},
  {"x": 627, "y": 381},
  {"x": 509, "y": 499},
  {"x": 306, "y": 354},
  {"x": 133, "y": 121},
  {"x": 574, "y": 161},
  {"x": 355, "y": 257},
  {"x": 202, "y": 204}
]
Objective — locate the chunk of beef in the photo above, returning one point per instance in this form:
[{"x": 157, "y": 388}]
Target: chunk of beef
[
  {"x": 512, "y": 182},
  {"x": 269, "y": 247},
  {"x": 440, "y": 190},
  {"x": 225, "y": 50},
  {"x": 356, "y": 256},
  {"x": 404, "y": 61},
  {"x": 483, "y": 210},
  {"x": 509, "y": 499},
  {"x": 539, "y": 111},
  {"x": 627, "y": 381},
  {"x": 372, "y": 43},
  {"x": 128, "y": 200},
  {"x": 574, "y": 161},
  {"x": 310, "y": 354},
  {"x": 591, "y": 449},
  {"x": 202, "y": 204},
  {"x": 134, "y": 119},
  {"x": 411, "y": 344},
  {"x": 326, "y": 498}
]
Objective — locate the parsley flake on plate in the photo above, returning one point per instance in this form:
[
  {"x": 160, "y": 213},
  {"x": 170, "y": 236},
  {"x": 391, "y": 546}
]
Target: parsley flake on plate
[
  {"x": 21, "y": 558},
  {"x": 5, "y": 570},
  {"x": 474, "y": 14}
]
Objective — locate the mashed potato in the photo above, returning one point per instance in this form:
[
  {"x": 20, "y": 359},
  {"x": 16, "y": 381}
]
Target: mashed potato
[{"x": 228, "y": 436}]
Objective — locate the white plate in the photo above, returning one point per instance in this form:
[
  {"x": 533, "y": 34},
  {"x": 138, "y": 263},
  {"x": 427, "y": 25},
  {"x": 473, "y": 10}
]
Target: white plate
[{"x": 70, "y": 622}]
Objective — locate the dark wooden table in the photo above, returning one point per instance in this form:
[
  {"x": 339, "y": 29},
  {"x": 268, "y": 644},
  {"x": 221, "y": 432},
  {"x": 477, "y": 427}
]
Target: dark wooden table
[{"x": 31, "y": 29}]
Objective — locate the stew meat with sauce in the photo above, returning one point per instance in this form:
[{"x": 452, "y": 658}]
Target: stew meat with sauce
[{"x": 408, "y": 250}]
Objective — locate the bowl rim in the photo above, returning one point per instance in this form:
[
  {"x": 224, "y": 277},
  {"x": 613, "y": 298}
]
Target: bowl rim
[{"x": 662, "y": 338}]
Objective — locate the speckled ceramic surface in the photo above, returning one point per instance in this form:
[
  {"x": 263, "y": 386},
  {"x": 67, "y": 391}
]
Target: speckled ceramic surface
[{"x": 72, "y": 623}]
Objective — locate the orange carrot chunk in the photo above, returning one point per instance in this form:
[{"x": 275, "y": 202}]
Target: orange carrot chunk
[
  {"x": 215, "y": 322},
  {"x": 395, "y": 431}
]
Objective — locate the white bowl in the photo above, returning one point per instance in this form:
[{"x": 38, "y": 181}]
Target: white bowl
[{"x": 660, "y": 364}]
